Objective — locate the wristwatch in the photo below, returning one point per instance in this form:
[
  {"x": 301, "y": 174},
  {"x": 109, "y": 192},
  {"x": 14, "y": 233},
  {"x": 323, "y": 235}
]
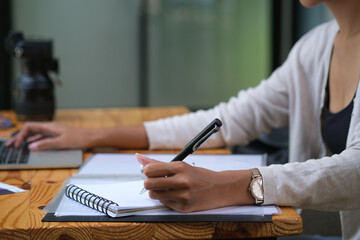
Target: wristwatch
[{"x": 256, "y": 186}]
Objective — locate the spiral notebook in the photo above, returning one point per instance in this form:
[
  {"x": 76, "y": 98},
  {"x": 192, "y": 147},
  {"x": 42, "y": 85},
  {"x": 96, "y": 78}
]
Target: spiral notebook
[
  {"x": 102, "y": 193},
  {"x": 116, "y": 200}
]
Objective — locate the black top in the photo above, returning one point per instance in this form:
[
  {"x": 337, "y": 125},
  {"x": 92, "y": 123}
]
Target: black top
[{"x": 336, "y": 127}]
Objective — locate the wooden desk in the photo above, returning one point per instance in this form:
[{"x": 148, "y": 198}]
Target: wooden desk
[{"x": 20, "y": 214}]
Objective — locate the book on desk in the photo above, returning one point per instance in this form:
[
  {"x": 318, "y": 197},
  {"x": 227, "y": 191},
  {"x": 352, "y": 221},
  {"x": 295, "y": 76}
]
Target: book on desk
[{"x": 107, "y": 188}]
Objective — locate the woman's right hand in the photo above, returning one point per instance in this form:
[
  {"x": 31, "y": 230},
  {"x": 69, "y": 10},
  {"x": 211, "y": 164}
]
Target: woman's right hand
[
  {"x": 186, "y": 188},
  {"x": 49, "y": 135}
]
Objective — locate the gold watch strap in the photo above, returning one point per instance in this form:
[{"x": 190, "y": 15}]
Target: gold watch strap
[{"x": 256, "y": 174}]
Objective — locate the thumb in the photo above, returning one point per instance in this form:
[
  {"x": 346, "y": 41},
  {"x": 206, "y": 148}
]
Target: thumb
[
  {"x": 43, "y": 144},
  {"x": 144, "y": 160}
]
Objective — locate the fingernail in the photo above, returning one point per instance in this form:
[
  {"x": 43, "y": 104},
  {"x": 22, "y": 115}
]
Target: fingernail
[
  {"x": 140, "y": 158},
  {"x": 34, "y": 146}
]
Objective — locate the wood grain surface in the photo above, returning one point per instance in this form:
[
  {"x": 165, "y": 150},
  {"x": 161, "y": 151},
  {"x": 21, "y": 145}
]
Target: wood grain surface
[{"x": 20, "y": 213}]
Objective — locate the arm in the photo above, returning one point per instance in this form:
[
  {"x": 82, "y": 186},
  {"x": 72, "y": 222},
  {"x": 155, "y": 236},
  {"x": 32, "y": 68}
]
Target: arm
[
  {"x": 53, "y": 135},
  {"x": 328, "y": 183},
  {"x": 245, "y": 116}
]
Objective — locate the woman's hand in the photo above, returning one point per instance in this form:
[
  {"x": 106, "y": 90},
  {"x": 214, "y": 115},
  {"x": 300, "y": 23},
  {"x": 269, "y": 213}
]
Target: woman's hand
[
  {"x": 50, "y": 135},
  {"x": 185, "y": 188}
]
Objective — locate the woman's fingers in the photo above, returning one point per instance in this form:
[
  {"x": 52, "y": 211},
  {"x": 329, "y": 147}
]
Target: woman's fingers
[
  {"x": 30, "y": 130},
  {"x": 161, "y": 169},
  {"x": 143, "y": 160},
  {"x": 10, "y": 142},
  {"x": 44, "y": 144},
  {"x": 20, "y": 137},
  {"x": 34, "y": 138},
  {"x": 154, "y": 168},
  {"x": 167, "y": 182}
]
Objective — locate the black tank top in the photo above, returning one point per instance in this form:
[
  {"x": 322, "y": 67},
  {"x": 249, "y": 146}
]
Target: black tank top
[{"x": 336, "y": 126}]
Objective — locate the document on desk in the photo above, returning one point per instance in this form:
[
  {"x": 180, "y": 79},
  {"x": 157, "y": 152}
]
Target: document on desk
[
  {"x": 127, "y": 165},
  {"x": 116, "y": 177},
  {"x": 8, "y": 189}
]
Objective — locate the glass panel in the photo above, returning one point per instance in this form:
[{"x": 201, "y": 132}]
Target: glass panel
[{"x": 204, "y": 51}]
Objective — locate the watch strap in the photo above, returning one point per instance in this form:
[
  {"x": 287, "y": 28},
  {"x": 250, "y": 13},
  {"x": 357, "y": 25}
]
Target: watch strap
[{"x": 257, "y": 175}]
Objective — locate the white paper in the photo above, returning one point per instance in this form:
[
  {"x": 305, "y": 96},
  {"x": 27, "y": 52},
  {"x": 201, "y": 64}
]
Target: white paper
[
  {"x": 103, "y": 175},
  {"x": 126, "y": 164},
  {"x": 11, "y": 188},
  {"x": 126, "y": 195}
]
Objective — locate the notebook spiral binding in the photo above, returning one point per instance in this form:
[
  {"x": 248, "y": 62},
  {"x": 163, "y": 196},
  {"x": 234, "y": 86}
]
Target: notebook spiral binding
[{"x": 88, "y": 199}]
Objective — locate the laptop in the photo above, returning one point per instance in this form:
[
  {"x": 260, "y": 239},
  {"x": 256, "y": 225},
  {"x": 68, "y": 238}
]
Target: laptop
[{"x": 22, "y": 158}]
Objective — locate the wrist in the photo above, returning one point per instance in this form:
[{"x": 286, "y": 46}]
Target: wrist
[
  {"x": 236, "y": 187},
  {"x": 90, "y": 138}
]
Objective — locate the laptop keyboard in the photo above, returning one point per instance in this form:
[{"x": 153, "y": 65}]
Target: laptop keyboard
[{"x": 12, "y": 155}]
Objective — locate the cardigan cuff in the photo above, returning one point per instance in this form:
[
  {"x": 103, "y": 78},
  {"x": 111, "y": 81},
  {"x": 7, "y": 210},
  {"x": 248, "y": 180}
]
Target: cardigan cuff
[{"x": 269, "y": 184}]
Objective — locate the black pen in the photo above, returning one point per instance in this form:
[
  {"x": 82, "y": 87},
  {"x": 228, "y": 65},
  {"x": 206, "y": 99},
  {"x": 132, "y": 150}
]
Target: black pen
[{"x": 196, "y": 142}]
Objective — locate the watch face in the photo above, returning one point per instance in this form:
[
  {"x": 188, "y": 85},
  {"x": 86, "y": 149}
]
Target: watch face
[{"x": 256, "y": 188}]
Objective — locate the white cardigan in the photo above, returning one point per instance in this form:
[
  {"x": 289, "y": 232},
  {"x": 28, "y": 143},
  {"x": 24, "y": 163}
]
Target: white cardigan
[{"x": 294, "y": 95}]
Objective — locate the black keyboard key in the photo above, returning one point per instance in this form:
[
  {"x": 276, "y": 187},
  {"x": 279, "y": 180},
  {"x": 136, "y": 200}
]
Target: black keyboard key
[
  {"x": 24, "y": 157},
  {"x": 3, "y": 155},
  {"x": 2, "y": 152},
  {"x": 11, "y": 155}
]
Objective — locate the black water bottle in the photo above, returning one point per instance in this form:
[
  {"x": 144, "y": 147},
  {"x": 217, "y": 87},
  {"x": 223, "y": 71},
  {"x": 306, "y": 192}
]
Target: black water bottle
[{"x": 34, "y": 98}]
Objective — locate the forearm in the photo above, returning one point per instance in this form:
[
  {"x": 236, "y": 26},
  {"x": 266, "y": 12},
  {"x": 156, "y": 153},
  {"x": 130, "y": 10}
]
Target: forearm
[{"x": 125, "y": 137}]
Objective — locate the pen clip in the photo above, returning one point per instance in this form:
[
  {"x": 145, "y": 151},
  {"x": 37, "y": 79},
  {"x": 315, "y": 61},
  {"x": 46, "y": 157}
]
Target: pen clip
[{"x": 203, "y": 139}]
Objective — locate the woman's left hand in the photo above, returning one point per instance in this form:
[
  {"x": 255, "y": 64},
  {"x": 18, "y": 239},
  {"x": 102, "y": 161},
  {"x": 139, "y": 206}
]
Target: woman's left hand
[{"x": 185, "y": 188}]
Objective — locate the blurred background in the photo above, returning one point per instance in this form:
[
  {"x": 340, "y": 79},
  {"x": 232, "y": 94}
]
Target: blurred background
[
  {"x": 129, "y": 53},
  {"x": 194, "y": 53}
]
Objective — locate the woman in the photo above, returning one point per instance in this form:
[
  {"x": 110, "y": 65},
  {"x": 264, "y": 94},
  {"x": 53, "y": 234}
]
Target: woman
[{"x": 314, "y": 92}]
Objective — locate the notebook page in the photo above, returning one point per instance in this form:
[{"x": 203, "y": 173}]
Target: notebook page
[
  {"x": 69, "y": 207},
  {"x": 125, "y": 194}
]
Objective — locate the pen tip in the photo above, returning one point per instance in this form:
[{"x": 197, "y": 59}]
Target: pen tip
[{"x": 143, "y": 190}]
